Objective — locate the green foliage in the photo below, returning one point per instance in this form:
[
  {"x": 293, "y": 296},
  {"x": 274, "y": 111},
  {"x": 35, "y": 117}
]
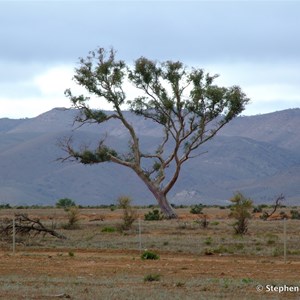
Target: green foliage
[
  {"x": 215, "y": 223},
  {"x": 129, "y": 213},
  {"x": 196, "y": 209},
  {"x": 240, "y": 210},
  {"x": 295, "y": 214},
  {"x": 108, "y": 229},
  {"x": 5, "y": 206},
  {"x": 208, "y": 241},
  {"x": 65, "y": 203},
  {"x": 73, "y": 218},
  {"x": 152, "y": 277},
  {"x": 101, "y": 154},
  {"x": 184, "y": 114},
  {"x": 149, "y": 255},
  {"x": 154, "y": 215},
  {"x": 257, "y": 209}
]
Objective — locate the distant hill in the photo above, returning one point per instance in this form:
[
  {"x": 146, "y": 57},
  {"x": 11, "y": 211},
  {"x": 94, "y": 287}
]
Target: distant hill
[{"x": 257, "y": 155}]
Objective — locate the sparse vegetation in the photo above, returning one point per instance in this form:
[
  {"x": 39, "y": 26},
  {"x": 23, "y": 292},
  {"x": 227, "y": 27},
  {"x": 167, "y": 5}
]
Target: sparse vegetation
[
  {"x": 65, "y": 203},
  {"x": 149, "y": 255},
  {"x": 109, "y": 229},
  {"x": 73, "y": 218},
  {"x": 152, "y": 277},
  {"x": 5, "y": 206},
  {"x": 196, "y": 209},
  {"x": 295, "y": 215},
  {"x": 240, "y": 210},
  {"x": 153, "y": 215},
  {"x": 90, "y": 255},
  {"x": 129, "y": 213}
]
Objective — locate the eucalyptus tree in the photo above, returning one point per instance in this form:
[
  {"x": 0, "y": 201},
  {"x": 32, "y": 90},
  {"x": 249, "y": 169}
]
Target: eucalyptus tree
[{"x": 185, "y": 102}]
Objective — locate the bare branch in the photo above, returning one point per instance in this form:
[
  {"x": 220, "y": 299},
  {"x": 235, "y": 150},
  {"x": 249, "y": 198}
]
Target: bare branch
[{"x": 27, "y": 226}]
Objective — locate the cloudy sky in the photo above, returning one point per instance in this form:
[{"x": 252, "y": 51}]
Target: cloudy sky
[{"x": 254, "y": 44}]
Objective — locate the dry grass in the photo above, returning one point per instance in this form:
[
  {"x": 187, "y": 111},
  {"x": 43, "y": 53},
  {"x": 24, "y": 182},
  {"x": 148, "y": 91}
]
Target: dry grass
[{"x": 107, "y": 265}]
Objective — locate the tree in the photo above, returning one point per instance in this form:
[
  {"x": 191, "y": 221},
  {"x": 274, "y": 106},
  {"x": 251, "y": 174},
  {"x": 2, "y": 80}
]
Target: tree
[
  {"x": 240, "y": 210},
  {"x": 65, "y": 203},
  {"x": 184, "y": 101}
]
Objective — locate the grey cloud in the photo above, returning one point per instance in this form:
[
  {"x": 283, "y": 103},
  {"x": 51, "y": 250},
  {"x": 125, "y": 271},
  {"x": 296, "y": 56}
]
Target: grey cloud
[{"x": 188, "y": 31}]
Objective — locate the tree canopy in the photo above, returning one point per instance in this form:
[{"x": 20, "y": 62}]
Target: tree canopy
[{"x": 184, "y": 101}]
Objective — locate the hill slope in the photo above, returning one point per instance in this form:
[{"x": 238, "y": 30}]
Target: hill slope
[{"x": 258, "y": 155}]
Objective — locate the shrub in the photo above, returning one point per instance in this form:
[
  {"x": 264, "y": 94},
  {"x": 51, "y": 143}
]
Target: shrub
[
  {"x": 152, "y": 277},
  {"x": 295, "y": 215},
  {"x": 257, "y": 209},
  {"x": 149, "y": 255},
  {"x": 154, "y": 215},
  {"x": 5, "y": 206},
  {"x": 108, "y": 229},
  {"x": 214, "y": 223},
  {"x": 129, "y": 214},
  {"x": 73, "y": 218},
  {"x": 240, "y": 211},
  {"x": 196, "y": 209},
  {"x": 208, "y": 241}
]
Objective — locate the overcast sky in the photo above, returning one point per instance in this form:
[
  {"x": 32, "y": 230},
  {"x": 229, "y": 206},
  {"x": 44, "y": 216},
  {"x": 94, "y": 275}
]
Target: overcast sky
[{"x": 252, "y": 44}]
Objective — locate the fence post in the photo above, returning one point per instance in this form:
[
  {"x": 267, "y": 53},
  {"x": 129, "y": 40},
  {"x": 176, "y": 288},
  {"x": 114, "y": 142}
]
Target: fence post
[
  {"x": 140, "y": 235},
  {"x": 14, "y": 235},
  {"x": 284, "y": 239}
]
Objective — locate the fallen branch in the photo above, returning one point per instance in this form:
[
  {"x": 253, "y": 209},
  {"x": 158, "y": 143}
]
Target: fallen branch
[{"x": 26, "y": 226}]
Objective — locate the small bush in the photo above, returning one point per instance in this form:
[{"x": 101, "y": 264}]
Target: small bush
[
  {"x": 257, "y": 209},
  {"x": 5, "y": 206},
  {"x": 73, "y": 218},
  {"x": 277, "y": 252},
  {"x": 196, "y": 209},
  {"x": 129, "y": 213},
  {"x": 149, "y": 255},
  {"x": 179, "y": 284},
  {"x": 154, "y": 215},
  {"x": 208, "y": 241},
  {"x": 152, "y": 277},
  {"x": 240, "y": 211},
  {"x": 214, "y": 223},
  {"x": 108, "y": 229},
  {"x": 208, "y": 251},
  {"x": 295, "y": 215}
]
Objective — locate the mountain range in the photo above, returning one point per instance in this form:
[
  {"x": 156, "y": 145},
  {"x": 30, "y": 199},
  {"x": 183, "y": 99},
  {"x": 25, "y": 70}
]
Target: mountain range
[{"x": 256, "y": 155}]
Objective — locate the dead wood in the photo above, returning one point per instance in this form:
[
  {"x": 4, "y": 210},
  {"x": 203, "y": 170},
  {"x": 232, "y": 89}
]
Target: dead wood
[
  {"x": 25, "y": 225},
  {"x": 266, "y": 216}
]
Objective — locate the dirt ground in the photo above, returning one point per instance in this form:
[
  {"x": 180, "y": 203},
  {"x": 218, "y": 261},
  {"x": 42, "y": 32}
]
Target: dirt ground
[
  {"x": 64, "y": 272},
  {"x": 116, "y": 274}
]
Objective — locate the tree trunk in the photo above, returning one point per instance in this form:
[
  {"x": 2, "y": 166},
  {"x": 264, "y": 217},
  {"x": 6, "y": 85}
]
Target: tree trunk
[
  {"x": 160, "y": 196},
  {"x": 165, "y": 207}
]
